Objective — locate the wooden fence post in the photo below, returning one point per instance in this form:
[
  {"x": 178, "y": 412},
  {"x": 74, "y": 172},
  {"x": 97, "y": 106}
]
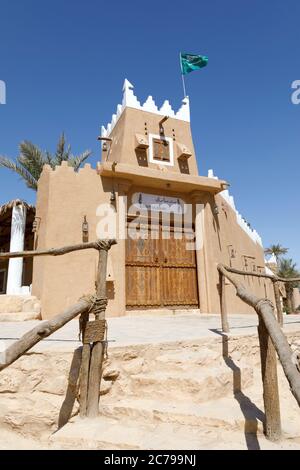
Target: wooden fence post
[
  {"x": 272, "y": 424},
  {"x": 224, "y": 318},
  {"x": 97, "y": 352},
  {"x": 278, "y": 302},
  {"x": 84, "y": 378}
]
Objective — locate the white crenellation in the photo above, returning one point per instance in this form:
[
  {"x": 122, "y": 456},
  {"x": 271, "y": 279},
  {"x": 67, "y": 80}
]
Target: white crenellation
[
  {"x": 166, "y": 109},
  {"x": 240, "y": 220},
  {"x": 103, "y": 131},
  {"x": 184, "y": 112},
  {"x": 119, "y": 110},
  {"x": 150, "y": 105},
  {"x": 131, "y": 101}
]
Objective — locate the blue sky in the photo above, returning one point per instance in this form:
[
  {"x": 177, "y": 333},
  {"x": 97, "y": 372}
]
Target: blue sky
[{"x": 64, "y": 63}]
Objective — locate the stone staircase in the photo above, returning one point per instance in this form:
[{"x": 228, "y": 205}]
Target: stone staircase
[
  {"x": 189, "y": 398},
  {"x": 167, "y": 396},
  {"x": 19, "y": 308}
]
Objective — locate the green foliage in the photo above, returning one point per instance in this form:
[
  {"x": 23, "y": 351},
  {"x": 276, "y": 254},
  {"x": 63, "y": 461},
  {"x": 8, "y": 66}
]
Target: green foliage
[
  {"x": 277, "y": 250},
  {"x": 288, "y": 269},
  {"x": 29, "y": 164}
]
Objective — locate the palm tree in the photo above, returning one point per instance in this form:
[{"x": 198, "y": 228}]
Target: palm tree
[
  {"x": 277, "y": 250},
  {"x": 288, "y": 269},
  {"x": 29, "y": 164}
]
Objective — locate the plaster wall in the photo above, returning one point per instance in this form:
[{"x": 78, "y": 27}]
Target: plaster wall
[{"x": 64, "y": 198}]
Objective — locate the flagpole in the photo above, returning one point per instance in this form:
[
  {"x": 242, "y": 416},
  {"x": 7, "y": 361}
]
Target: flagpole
[
  {"x": 182, "y": 76},
  {"x": 183, "y": 83}
]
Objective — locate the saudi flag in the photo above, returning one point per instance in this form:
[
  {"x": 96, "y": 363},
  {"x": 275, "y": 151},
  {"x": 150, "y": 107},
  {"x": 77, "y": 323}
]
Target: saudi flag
[{"x": 191, "y": 62}]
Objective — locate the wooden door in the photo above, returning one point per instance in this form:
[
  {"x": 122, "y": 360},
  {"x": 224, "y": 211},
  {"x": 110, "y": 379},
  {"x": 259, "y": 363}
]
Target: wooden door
[
  {"x": 160, "y": 271},
  {"x": 143, "y": 270},
  {"x": 178, "y": 269}
]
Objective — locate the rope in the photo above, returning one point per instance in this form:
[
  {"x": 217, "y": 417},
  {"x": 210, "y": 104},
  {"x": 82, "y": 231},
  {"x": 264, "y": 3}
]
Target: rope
[
  {"x": 262, "y": 302},
  {"x": 104, "y": 244},
  {"x": 97, "y": 306}
]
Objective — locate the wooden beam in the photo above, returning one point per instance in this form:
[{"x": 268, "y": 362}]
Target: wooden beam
[
  {"x": 278, "y": 302},
  {"x": 58, "y": 251},
  {"x": 84, "y": 378},
  {"x": 272, "y": 422},
  {"x": 267, "y": 276},
  {"x": 44, "y": 329},
  {"x": 224, "y": 317},
  {"x": 264, "y": 309}
]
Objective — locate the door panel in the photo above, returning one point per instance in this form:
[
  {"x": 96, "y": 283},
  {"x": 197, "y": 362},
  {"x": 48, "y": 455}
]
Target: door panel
[
  {"x": 142, "y": 286},
  {"x": 161, "y": 271},
  {"x": 179, "y": 287}
]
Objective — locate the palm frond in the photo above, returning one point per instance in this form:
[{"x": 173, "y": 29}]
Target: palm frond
[
  {"x": 277, "y": 249},
  {"x": 62, "y": 152},
  {"x": 77, "y": 161},
  {"x": 31, "y": 158},
  {"x": 31, "y": 182}
]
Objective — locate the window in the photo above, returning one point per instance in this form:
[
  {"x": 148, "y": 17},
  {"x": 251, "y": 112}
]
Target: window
[
  {"x": 2, "y": 281},
  {"x": 161, "y": 150}
]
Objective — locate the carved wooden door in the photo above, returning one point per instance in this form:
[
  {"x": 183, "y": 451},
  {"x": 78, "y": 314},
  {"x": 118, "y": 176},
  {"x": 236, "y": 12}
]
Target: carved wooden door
[
  {"x": 178, "y": 268},
  {"x": 160, "y": 270}
]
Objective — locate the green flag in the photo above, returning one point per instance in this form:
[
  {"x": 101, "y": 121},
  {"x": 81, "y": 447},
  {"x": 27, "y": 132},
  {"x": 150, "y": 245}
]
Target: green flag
[{"x": 191, "y": 62}]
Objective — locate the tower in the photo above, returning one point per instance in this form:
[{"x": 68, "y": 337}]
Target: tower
[
  {"x": 172, "y": 225},
  {"x": 148, "y": 136}
]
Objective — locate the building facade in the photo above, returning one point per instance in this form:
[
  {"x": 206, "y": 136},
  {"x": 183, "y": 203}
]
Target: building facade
[{"x": 172, "y": 225}]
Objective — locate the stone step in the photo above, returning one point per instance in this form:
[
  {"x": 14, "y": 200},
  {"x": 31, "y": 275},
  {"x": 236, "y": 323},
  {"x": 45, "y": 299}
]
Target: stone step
[
  {"x": 230, "y": 413},
  {"x": 34, "y": 415},
  {"x": 196, "y": 385},
  {"x": 238, "y": 412},
  {"x": 19, "y": 304},
  {"x": 110, "y": 434},
  {"x": 189, "y": 357},
  {"x": 19, "y": 316}
]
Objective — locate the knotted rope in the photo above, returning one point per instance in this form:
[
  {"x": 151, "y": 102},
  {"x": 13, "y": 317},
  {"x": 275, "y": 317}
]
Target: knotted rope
[
  {"x": 105, "y": 244},
  {"x": 262, "y": 302},
  {"x": 97, "y": 306}
]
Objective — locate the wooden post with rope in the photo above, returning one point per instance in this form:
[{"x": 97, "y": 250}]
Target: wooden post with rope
[
  {"x": 278, "y": 302},
  {"x": 93, "y": 338},
  {"x": 224, "y": 317},
  {"x": 272, "y": 422}
]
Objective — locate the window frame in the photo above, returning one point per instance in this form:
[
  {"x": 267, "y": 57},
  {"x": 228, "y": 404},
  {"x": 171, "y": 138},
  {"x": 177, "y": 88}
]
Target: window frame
[
  {"x": 4, "y": 281},
  {"x": 151, "y": 148}
]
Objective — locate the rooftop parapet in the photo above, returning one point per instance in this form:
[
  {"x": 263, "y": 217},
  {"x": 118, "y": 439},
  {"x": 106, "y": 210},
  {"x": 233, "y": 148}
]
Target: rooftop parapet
[{"x": 131, "y": 101}]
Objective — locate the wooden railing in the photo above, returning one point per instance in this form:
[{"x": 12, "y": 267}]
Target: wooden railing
[
  {"x": 271, "y": 340},
  {"x": 93, "y": 332}
]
